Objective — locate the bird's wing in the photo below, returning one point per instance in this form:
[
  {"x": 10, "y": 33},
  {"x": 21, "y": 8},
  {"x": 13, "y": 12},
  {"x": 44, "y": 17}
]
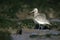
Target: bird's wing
[{"x": 41, "y": 20}]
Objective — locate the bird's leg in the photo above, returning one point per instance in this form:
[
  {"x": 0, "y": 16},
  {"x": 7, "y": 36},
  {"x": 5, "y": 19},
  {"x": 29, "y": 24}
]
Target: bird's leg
[{"x": 39, "y": 26}]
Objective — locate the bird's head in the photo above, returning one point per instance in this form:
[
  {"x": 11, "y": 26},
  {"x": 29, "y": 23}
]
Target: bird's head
[{"x": 35, "y": 10}]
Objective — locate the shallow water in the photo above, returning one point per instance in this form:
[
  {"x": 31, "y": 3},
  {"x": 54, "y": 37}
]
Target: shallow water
[{"x": 25, "y": 35}]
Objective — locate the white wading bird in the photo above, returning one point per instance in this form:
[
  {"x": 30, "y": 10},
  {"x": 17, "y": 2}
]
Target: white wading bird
[{"x": 39, "y": 18}]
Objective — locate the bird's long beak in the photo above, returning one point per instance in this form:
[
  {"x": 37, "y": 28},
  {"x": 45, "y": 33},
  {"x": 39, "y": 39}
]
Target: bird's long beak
[{"x": 31, "y": 11}]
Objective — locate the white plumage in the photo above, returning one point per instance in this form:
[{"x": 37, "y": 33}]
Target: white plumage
[{"x": 39, "y": 18}]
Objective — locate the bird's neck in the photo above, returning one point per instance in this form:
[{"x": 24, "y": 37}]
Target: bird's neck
[{"x": 36, "y": 14}]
